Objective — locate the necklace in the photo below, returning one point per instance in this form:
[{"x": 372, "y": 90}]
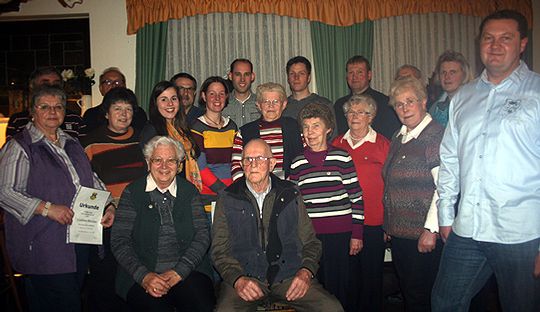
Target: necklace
[
  {"x": 55, "y": 141},
  {"x": 217, "y": 124}
]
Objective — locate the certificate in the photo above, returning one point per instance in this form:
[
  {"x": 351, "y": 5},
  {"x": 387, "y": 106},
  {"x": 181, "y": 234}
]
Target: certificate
[{"x": 88, "y": 205}]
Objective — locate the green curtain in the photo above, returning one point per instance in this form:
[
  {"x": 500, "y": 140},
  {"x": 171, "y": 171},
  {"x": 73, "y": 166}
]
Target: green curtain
[
  {"x": 150, "y": 60},
  {"x": 332, "y": 47}
]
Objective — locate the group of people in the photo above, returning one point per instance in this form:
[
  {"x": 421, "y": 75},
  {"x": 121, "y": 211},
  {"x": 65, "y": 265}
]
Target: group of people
[{"x": 256, "y": 197}]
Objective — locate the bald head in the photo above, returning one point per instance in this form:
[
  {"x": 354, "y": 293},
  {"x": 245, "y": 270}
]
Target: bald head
[
  {"x": 258, "y": 144},
  {"x": 258, "y": 162}
]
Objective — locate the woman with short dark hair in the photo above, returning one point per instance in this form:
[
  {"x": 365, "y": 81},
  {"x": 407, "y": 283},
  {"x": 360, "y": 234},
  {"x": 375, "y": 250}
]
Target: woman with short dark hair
[
  {"x": 115, "y": 155},
  {"x": 332, "y": 195}
]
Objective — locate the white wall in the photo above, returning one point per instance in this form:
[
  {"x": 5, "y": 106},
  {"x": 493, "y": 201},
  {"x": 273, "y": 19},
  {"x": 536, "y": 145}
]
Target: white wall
[{"x": 110, "y": 45}]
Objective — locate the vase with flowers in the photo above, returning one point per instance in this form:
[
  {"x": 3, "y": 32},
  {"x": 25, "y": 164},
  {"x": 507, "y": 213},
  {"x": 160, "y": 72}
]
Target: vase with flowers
[{"x": 78, "y": 86}]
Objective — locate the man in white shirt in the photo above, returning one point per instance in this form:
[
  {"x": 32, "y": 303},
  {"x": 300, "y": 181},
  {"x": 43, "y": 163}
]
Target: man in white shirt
[{"x": 490, "y": 154}]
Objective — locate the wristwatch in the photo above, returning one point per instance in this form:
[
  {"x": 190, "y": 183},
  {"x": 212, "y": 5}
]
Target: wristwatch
[{"x": 45, "y": 210}]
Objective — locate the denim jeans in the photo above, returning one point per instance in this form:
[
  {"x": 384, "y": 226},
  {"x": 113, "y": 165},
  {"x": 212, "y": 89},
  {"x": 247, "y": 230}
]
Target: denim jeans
[{"x": 467, "y": 264}]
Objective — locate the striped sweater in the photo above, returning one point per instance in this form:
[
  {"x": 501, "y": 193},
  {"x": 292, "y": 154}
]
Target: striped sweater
[
  {"x": 332, "y": 195},
  {"x": 216, "y": 150},
  {"x": 271, "y": 133},
  {"x": 115, "y": 158}
]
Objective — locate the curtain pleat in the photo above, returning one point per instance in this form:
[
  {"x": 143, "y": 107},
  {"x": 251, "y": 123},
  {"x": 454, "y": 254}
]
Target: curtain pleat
[
  {"x": 151, "y": 52},
  {"x": 332, "y": 47},
  {"x": 205, "y": 45},
  {"x": 418, "y": 40}
]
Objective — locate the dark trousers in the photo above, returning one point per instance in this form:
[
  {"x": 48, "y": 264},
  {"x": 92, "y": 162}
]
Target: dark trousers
[
  {"x": 58, "y": 292},
  {"x": 101, "y": 281},
  {"x": 334, "y": 271},
  {"x": 316, "y": 298},
  {"x": 416, "y": 272},
  {"x": 366, "y": 272},
  {"x": 194, "y": 294}
]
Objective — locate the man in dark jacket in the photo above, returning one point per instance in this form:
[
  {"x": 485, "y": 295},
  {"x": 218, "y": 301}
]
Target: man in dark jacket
[
  {"x": 358, "y": 79},
  {"x": 264, "y": 245}
]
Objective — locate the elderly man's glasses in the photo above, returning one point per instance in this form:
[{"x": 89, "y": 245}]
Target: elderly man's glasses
[
  {"x": 53, "y": 108},
  {"x": 248, "y": 161},
  {"x": 352, "y": 114},
  {"x": 186, "y": 89},
  {"x": 168, "y": 162},
  {"x": 408, "y": 103},
  {"x": 116, "y": 83}
]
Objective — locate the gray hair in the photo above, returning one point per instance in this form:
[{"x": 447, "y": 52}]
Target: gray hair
[
  {"x": 361, "y": 99},
  {"x": 46, "y": 90},
  {"x": 417, "y": 72},
  {"x": 149, "y": 147},
  {"x": 114, "y": 70},
  {"x": 407, "y": 84},
  {"x": 270, "y": 87}
]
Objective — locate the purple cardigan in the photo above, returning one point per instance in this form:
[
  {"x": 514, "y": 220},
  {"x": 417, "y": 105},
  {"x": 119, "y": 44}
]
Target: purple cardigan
[{"x": 39, "y": 247}]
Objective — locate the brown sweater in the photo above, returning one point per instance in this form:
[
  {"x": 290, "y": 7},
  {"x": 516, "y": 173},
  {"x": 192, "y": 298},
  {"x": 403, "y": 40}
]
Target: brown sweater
[{"x": 408, "y": 182}]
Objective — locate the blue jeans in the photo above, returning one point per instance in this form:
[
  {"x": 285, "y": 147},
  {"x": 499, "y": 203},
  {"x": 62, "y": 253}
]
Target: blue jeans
[{"x": 467, "y": 264}]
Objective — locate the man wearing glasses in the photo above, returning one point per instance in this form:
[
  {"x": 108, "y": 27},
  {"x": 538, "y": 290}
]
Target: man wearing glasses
[
  {"x": 263, "y": 242},
  {"x": 94, "y": 117},
  {"x": 187, "y": 86},
  {"x": 281, "y": 133},
  {"x": 45, "y": 76}
]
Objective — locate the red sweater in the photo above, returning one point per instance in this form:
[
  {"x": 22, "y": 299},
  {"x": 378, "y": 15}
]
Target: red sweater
[{"x": 368, "y": 160}]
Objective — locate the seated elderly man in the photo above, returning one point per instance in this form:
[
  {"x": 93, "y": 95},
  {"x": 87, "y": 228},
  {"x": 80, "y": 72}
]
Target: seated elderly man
[
  {"x": 264, "y": 245},
  {"x": 161, "y": 236},
  {"x": 281, "y": 133}
]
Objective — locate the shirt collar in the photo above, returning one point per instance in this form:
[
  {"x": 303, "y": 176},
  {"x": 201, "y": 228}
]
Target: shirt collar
[
  {"x": 371, "y": 136},
  {"x": 516, "y": 76},
  {"x": 264, "y": 193},
  {"x": 151, "y": 185},
  {"x": 414, "y": 133},
  {"x": 244, "y": 101},
  {"x": 37, "y": 135}
]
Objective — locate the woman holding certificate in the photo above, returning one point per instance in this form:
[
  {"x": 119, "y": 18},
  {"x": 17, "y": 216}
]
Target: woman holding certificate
[
  {"x": 115, "y": 156},
  {"x": 161, "y": 236},
  {"x": 42, "y": 168}
]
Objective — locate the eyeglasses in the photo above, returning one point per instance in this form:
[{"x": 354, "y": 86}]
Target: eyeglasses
[
  {"x": 54, "y": 108},
  {"x": 359, "y": 113},
  {"x": 169, "y": 162},
  {"x": 186, "y": 89},
  {"x": 116, "y": 83},
  {"x": 271, "y": 102},
  {"x": 248, "y": 161},
  {"x": 408, "y": 103}
]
